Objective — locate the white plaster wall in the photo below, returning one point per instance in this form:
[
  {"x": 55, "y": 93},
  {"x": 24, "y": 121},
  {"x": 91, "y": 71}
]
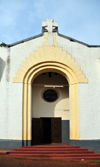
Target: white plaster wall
[
  {"x": 59, "y": 108},
  {"x": 17, "y": 55},
  {"x": 89, "y": 107},
  {"x": 11, "y": 93},
  {"x": 3, "y": 59},
  {"x": 20, "y": 52},
  {"x": 89, "y": 93},
  {"x": 10, "y": 110}
]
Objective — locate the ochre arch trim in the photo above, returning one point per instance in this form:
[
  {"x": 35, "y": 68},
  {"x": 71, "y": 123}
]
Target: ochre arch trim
[
  {"x": 27, "y": 82},
  {"x": 49, "y": 54}
]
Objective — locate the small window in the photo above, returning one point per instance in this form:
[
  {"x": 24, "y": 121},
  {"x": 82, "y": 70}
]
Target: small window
[{"x": 50, "y": 95}]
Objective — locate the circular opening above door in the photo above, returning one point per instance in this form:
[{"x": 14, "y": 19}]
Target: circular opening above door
[{"x": 50, "y": 95}]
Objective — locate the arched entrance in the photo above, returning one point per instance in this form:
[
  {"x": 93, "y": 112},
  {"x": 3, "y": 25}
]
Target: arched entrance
[
  {"x": 31, "y": 75},
  {"x": 50, "y": 109},
  {"x": 50, "y": 59}
]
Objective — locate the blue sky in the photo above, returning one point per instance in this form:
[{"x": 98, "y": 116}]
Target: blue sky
[{"x": 79, "y": 19}]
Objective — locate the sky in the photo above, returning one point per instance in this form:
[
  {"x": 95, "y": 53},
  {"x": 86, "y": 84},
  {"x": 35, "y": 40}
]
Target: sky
[{"x": 78, "y": 19}]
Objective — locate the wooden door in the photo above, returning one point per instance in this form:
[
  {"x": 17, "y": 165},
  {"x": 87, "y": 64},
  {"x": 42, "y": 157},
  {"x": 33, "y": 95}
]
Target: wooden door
[
  {"x": 56, "y": 135},
  {"x": 36, "y": 131}
]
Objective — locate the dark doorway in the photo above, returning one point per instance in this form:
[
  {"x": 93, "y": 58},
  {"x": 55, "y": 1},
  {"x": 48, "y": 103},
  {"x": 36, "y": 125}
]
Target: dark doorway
[{"x": 46, "y": 130}]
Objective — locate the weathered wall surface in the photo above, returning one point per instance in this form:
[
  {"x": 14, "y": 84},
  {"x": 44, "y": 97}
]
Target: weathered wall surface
[
  {"x": 89, "y": 97},
  {"x": 3, "y": 59},
  {"x": 11, "y": 93},
  {"x": 11, "y": 111}
]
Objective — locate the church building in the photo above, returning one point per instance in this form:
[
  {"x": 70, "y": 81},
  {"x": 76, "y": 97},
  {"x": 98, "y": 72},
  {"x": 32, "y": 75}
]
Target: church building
[{"x": 49, "y": 91}]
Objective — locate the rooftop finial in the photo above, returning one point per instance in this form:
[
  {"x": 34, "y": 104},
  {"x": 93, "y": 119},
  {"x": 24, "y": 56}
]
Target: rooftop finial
[{"x": 49, "y": 25}]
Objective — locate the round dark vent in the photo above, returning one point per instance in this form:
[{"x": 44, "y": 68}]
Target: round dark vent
[{"x": 50, "y": 95}]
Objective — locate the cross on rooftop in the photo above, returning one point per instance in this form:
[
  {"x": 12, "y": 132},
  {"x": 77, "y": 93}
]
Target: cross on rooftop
[{"x": 49, "y": 25}]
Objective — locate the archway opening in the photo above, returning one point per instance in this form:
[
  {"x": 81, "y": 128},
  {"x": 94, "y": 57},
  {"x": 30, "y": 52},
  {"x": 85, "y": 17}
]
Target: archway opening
[
  {"x": 29, "y": 77},
  {"x": 50, "y": 109}
]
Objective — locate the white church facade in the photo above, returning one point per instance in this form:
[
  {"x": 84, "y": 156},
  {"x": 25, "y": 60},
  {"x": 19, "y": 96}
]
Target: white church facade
[{"x": 49, "y": 91}]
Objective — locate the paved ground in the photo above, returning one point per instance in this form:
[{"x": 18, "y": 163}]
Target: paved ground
[{"x": 23, "y": 161}]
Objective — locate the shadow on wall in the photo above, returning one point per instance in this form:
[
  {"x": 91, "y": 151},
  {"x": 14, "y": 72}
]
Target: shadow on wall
[
  {"x": 42, "y": 108},
  {"x": 2, "y": 66}
]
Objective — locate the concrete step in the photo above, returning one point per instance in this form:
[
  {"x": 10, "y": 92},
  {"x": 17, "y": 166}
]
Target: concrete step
[
  {"x": 59, "y": 155},
  {"x": 71, "y": 152},
  {"x": 51, "y": 152},
  {"x": 50, "y": 149}
]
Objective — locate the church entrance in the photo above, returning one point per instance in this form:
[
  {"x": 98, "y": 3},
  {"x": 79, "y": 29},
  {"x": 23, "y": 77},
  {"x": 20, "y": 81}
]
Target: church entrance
[
  {"x": 50, "y": 109},
  {"x": 46, "y": 130}
]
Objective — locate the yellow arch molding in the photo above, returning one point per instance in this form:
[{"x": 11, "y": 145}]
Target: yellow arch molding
[
  {"x": 73, "y": 81},
  {"x": 54, "y": 59},
  {"x": 49, "y": 54}
]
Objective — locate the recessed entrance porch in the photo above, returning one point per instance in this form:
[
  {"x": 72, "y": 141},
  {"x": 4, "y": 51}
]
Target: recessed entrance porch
[{"x": 50, "y": 109}]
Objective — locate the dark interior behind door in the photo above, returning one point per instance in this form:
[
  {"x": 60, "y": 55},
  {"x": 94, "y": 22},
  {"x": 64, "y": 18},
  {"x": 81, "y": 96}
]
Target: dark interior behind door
[{"x": 46, "y": 130}]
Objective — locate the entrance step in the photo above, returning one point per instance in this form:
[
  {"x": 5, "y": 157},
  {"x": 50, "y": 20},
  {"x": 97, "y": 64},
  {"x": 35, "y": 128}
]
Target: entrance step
[{"x": 70, "y": 152}]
